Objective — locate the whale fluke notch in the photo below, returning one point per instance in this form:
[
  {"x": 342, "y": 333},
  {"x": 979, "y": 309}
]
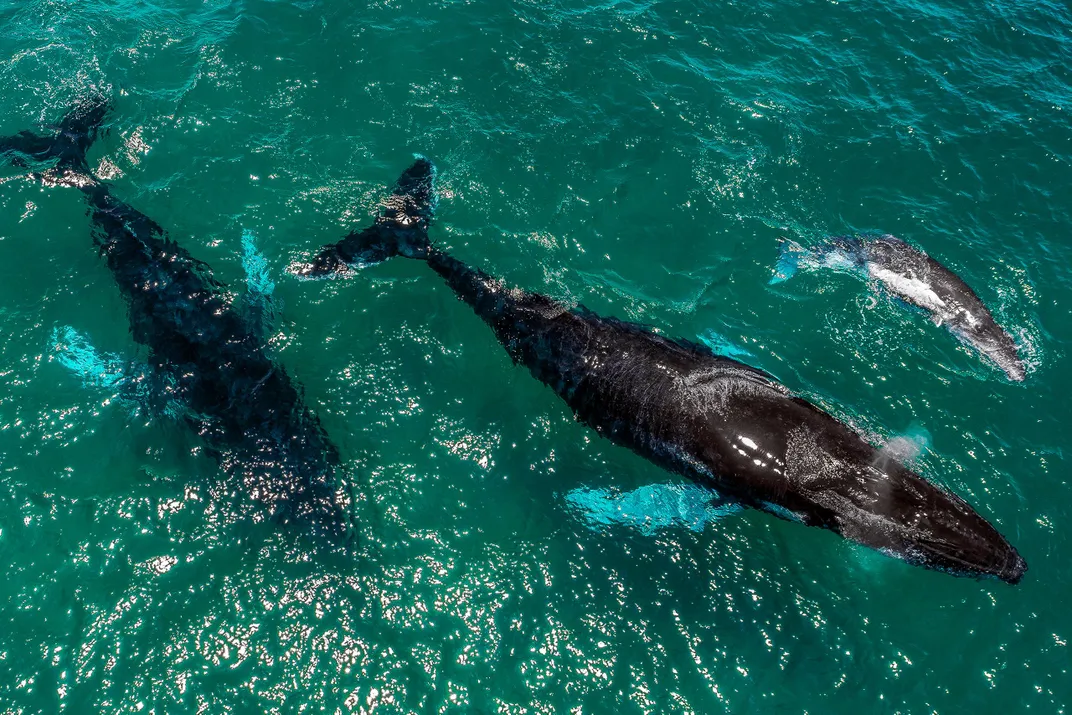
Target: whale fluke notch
[{"x": 401, "y": 228}]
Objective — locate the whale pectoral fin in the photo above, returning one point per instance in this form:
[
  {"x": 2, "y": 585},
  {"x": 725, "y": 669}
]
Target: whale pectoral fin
[
  {"x": 260, "y": 306},
  {"x": 651, "y": 508},
  {"x": 258, "y": 281},
  {"x": 131, "y": 383},
  {"x": 722, "y": 346},
  {"x": 74, "y": 351}
]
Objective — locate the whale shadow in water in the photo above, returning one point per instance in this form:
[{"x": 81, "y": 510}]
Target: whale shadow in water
[
  {"x": 208, "y": 360},
  {"x": 916, "y": 280},
  {"x": 724, "y": 425}
]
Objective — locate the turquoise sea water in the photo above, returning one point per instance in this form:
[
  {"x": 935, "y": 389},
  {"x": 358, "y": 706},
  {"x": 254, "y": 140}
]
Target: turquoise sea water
[{"x": 645, "y": 158}]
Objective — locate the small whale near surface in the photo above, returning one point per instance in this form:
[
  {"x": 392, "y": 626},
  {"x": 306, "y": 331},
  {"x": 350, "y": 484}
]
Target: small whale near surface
[
  {"x": 208, "y": 355},
  {"x": 718, "y": 422},
  {"x": 909, "y": 274}
]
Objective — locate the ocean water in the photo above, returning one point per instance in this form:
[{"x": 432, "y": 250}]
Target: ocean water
[{"x": 644, "y": 158}]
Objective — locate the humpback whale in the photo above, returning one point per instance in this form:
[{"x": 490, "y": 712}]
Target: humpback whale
[
  {"x": 722, "y": 424},
  {"x": 208, "y": 355},
  {"x": 917, "y": 279}
]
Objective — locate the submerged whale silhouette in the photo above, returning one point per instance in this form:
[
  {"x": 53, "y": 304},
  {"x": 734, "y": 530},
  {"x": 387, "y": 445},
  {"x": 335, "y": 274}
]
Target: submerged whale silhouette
[
  {"x": 721, "y": 423},
  {"x": 209, "y": 360},
  {"x": 917, "y": 279}
]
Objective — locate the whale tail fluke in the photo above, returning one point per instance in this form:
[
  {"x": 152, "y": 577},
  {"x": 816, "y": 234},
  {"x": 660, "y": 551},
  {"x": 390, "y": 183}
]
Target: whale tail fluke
[
  {"x": 69, "y": 144},
  {"x": 414, "y": 198},
  {"x": 400, "y": 229},
  {"x": 790, "y": 256}
]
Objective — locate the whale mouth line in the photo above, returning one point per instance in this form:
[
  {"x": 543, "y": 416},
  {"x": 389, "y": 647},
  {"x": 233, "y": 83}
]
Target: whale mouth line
[{"x": 1011, "y": 570}]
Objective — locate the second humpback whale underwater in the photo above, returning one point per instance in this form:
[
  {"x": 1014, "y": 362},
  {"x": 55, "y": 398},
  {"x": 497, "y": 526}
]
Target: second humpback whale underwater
[
  {"x": 719, "y": 422},
  {"x": 917, "y": 279},
  {"x": 208, "y": 360}
]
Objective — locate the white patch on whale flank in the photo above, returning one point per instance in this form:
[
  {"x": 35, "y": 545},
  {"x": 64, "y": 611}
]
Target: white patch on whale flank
[{"x": 914, "y": 289}]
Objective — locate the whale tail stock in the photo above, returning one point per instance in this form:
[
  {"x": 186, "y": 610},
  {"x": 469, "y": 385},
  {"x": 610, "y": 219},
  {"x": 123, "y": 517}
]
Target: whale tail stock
[
  {"x": 400, "y": 229},
  {"x": 72, "y": 138}
]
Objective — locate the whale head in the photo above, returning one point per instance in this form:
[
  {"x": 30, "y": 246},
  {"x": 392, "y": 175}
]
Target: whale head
[
  {"x": 986, "y": 336},
  {"x": 785, "y": 456},
  {"x": 881, "y": 503}
]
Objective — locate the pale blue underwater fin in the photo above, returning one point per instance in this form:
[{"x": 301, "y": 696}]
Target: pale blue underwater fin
[
  {"x": 129, "y": 382},
  {"x": 259, "y": 304},
  {"x": 648, "y": 509},
  {"x": 74, "y": 351},
  {"x": 723, "y": 346}
]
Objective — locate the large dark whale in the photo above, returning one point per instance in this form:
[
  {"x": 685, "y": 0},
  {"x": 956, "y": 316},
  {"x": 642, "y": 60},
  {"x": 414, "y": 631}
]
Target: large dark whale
[
  {"x": 204, "y": 353},
  {"x": 917, "y": 279},
  {"x": 717, "y": 421}
]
